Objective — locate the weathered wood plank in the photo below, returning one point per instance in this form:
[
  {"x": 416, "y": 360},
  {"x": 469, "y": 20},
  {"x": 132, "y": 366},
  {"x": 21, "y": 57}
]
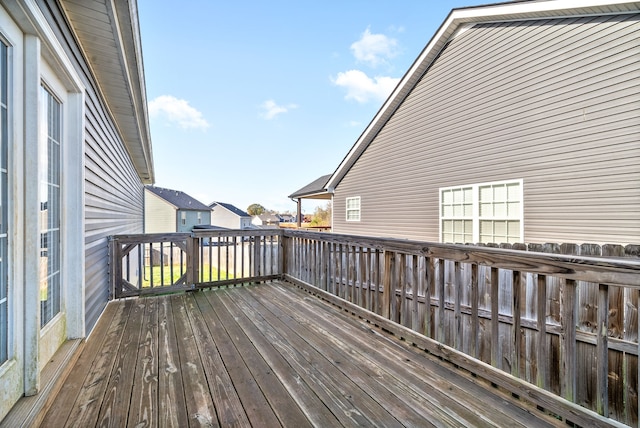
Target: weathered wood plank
[
  {"x": 544, "y": 399},
  {"x": 335, "y": 389},
  {"x": 172, "y": 409},
  {"x": 110, "y": 324},
  {"x": 282, "y": 404},
  {"x": 225, "y": 398},
  {"x": 114, "y": 409},
  {"x": 255, "y": 404},
  {"x": 404, "y": 369},
  {"x": 315, "y": 410},
  {"x": 568, "y": 340},
  {"x": 144, "y": 395},
  {"x": 200, "y": 407}
]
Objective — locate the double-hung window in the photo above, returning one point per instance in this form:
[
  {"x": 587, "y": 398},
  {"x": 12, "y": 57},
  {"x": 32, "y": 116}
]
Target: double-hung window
[
  {"x": 353, "y": 208},
  {"x": 484, "y": 213},
  {"x": 183, "y": 217}
]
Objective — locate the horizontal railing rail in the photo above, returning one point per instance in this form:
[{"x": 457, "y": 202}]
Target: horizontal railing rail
[{"x": 565, "y": 323}]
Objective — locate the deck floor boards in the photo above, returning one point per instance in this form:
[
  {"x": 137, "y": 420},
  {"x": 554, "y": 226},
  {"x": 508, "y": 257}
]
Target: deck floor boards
[{"x": 262, "y": 356}]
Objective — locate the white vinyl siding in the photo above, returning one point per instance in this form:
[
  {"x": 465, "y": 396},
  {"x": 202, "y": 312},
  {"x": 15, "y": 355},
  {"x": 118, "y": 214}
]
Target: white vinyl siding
[
  {"x": 159, "y": 215},
  {"x": 353, "y": 208},
  {"x": 485, "y": 213},
  {"x": 554, "y": 102}
]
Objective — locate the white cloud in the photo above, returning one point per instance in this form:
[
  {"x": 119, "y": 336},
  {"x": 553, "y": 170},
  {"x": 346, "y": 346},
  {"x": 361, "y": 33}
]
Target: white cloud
[
  {"x": 270, "y": 109},
  {"x": 374, "y": 49},
  {"x": 363, "y": 88},
  {"x": 177, "y": 111}
]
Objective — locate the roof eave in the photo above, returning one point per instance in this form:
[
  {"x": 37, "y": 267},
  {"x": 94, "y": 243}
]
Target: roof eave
[
  {"x": 125, "y": 97},
  {"x": 455, "y": 21}
]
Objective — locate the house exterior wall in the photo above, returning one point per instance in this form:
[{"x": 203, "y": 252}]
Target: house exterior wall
[
  {"x": 159, "y": 215},
  {"x": 554, "y": 103},
  {"x": 222, "y": 217},
  {"x": 99, "y": 193},
  {"x": 113, "y": 193},
  {"x": 191, "y": 219}
]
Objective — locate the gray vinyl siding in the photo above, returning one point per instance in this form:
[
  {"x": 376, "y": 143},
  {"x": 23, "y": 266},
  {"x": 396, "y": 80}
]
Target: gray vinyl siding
[
  {"x": 113, "y": 191},
  {"x": 553, "y": 102}
]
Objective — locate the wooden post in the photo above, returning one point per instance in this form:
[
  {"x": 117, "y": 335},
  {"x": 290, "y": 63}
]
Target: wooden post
[
  {"x": 299, "y": 213},
  {"x": 115, "y": 268},
  {"x": 193, "y": 270}
]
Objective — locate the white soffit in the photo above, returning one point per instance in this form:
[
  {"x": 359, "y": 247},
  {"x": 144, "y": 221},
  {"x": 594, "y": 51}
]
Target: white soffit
[{"x": 109, "y": 36}]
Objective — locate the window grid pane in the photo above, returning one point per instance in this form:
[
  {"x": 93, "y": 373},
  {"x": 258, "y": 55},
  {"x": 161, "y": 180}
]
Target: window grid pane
[
  {"x": 353, "y": 209},
  {"x": 496, "y": 213},
  {"x": 50, "y": 245}
]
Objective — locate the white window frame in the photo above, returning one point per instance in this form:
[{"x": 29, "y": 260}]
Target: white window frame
[
  {"x": 199, "y": 217},
  {"x": 183, "y": 218},
  {"x": 347, "y": 210},
  {"x": 475, "y": 217}
]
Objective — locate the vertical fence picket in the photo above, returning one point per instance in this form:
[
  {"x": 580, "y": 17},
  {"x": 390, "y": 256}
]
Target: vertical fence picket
[
  {"x": 602, "y": 351},
  {"x": 475, "y": 322},
  {"x": 568, "y": 339},
  {"x": 517, "y": 333},
  {"x": 496, "y": 361},
  {"x": 541, "y": 323},
  {"x": 457, "y": 309},
  {"x": 440, "y": 282},
  {"x": 415, "y": 278}
]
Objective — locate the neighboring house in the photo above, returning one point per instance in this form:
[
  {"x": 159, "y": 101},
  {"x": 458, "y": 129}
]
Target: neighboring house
[
  {"x": 75, "y": 154},
  {"x": 317, "y": 189},
  {"x": 167, "y": 211},
  {"x": 519, "y": 122},
  {"x": 228, "y": 216},
  {"x": 287, "y": 218},
  {"x": 266, "y": 220}
]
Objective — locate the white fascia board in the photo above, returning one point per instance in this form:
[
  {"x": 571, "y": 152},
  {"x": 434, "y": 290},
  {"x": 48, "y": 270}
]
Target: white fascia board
[{"x": 459, "y": 19}]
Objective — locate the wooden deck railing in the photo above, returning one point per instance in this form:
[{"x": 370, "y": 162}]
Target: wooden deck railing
[
  {"x": 567, "y": 324},
  {"x": 161, "y": 263}
]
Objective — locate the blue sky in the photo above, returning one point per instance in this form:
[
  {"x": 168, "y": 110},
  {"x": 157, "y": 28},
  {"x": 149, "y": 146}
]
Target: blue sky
[{"x": 251, "y": 100}]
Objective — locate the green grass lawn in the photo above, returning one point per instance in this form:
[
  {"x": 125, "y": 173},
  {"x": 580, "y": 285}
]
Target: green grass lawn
[{"x": 164, "y": 272}]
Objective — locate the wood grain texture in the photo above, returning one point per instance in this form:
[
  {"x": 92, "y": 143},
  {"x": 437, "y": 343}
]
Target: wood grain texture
[{"x": 268, "y": 355}]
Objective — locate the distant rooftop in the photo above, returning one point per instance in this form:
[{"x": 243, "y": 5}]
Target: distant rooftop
[
  {"x": 232, "y": 208},
  {"x": 179, "y": 199},
  {"x": 314, "y": 190}
]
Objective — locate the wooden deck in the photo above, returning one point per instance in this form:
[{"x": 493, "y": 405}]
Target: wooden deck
[{"x": 264, "y": 356}]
